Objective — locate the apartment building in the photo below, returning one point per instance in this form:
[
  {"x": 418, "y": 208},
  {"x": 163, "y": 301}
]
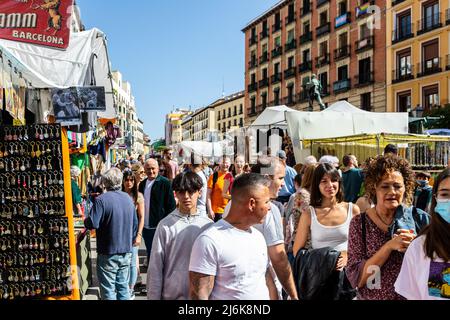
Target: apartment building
[
  {"x": 173, "y": 125},
  {"x": 418, "y": 55},
  {"x": 203, "y": 123},
  {"x": 230, "y": 113},
  {"x": 187, "y": 128},
  {"x": 339, "y": 41}
]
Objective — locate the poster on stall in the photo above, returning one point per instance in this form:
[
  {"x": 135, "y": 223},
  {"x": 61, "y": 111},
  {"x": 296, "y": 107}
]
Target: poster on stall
[
  {"x": 92, "y": 98},
  {"x": 42, "y": 22},
  {"x": 66, "y": 106}
]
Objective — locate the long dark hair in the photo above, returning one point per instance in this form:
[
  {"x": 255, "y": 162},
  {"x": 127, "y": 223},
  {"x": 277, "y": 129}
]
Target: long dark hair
[
  {"x": 134, "y": 191},
  {"x": 322, "y": 170},
  {"x": 437, "y": 232}
]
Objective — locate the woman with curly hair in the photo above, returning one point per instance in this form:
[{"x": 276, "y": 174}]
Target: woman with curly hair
[
  {"x": 379, "y": 237},
  {"x": 425, "y": 273}
]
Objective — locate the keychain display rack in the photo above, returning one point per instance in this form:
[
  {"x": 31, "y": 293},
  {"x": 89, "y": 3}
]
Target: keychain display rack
[{"x": 35, "y": 251}]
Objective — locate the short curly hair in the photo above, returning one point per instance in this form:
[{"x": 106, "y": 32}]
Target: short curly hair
[{"x": 377, "y": 169}]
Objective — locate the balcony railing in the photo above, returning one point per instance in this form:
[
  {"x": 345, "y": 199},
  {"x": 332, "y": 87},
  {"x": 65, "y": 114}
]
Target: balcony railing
[
  {"x": 264, "y": 34},
  {"x": 306, "y": 9},
  {"x": 325, "y": 90},
  {"x": 324, "y": 29},
  {"x": 322, "y": 60},
  {"x": 396, "y": 2},
  {"x": 276, "y": 78},
  {"x": 403, "y": 33},
  {"x": 364, "y": 44},
  {"x": 447, "y": 17},
  {"x": 264, "y": 57},
  {"x": 253, "y": 63},
  {"x": 343, "y": 20},
  {"x": 429, "y": 23},
  {"x": 290, "y": 18},
  {"x": 252, "y": 87},
  {"x": 278, "y": 51},
  {"x": 289, "y": 73},
  {"x": 342, "y": 52},
  {"x": 321, "y": 2},
  {"x": 276, "y": 27},
  {"x": 306, "y": 37},
  {"x": 342, "y": 86},
  {"x": 253, "y": 40},
  {"x": 364, "y": 79},
  {"x": 429, "y": 67},
  {"x": 291, "y": 45},
  {"x": 305, "y": 66},
  {"x": 447, "y": 65},
  {"x": 263, "y": 83},
  {"x": 404, "y": 74}
]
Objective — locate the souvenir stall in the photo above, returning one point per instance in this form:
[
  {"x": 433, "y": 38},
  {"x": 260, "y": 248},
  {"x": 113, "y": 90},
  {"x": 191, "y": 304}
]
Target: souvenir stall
[{"x": 55, "y": 104}]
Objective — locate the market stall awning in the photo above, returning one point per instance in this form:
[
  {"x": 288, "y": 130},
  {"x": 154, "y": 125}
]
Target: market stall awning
[
  {"x": 85, "y": 62},
  {"x": 273, "y": 116}
]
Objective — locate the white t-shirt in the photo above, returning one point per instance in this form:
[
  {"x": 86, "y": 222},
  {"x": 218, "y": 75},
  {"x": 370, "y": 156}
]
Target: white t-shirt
[
  {"x": 147, "y": 198},
  {"x": 201, "y": 202},
  {"x": 422, "y": 278},
  {"x": 239, "y": 274}
]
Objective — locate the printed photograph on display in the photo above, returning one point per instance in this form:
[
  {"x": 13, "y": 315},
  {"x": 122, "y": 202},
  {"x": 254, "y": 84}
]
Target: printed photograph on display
[
  {"x": 66, "y": 106},
  {"x": 92, "y": 98}
]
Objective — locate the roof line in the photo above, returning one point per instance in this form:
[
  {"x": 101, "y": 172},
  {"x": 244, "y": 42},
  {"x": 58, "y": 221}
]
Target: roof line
[{"x": 275, "y": 6}]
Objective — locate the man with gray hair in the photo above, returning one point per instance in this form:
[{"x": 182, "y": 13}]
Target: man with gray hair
[{"x": 114, "y": 218}]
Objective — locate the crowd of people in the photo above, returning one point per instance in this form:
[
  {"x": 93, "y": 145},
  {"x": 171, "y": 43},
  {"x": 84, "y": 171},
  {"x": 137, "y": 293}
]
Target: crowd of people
[{"x": 234, "y": 231}]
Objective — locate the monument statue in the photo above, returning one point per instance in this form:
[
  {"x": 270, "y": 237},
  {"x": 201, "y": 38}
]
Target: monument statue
[{"x": 314, "y": 88}]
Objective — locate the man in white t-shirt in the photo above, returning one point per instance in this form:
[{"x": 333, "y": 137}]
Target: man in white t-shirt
[{"x": 218, "y": 271}]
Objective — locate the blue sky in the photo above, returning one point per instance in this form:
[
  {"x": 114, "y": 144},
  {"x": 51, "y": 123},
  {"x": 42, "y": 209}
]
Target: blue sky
[{"x": 175, "y": 53}]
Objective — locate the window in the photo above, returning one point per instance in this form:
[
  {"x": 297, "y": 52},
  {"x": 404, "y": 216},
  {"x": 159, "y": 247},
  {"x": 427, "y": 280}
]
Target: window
[
  {"x": 254, "y": 32},
  {"x": 364, "y": 31},
  {"x": 229, "y": 112},
  {"x": 241, "y": 109},
  {"x": 323, "y": 78},
  {"x": 342, "y": 7},
  {"x": 291, "y": 36},
  {"x": 323, "y": 18},
  {"x": 291, "y": 62},
  {"x": 235, "y": 111},
  {"x": 253, "y": 104},
  {"x": 229, "y": 124},
  {"x": 276, "y": 94},
  {"x": 366, "y": 101},
  {"x": 365, "y": 68},
  {"x": 404, "y": 66},
  {"x": 253, "y": 76},
  {"x": 323, "y": 49},
  {"x": 430, "y": 54},
  {"x": 224, "y": 114},
  {"x": 306, "y": 56},
  {"x": 430, "y": 14},
  {"x": 277, "y": 42},
  {"x": 276, "y": 68},
  {"x": 264, "y": 100},
  {"x": 404, "y": 101},
  {"x": 218, "y": 127},
  {"x": 430, "y": 96},
  {"x": 306, "y": 27},
  {"x": 235, "y": 122},
  {"x": 241, "y": 122},
  {"x": 290, "y": 93},
  {"x": 264, "y": 73},
  {"x": 291, "y": 12},
  {"x": 343, "y": 40},
  {"x": 277, "y": 20},
  {"x": 404, "y": 24},
  {"x": 264, "y": 28},
  {"x": 343, "y": 73},
  {"x": 264, "y": 48}
]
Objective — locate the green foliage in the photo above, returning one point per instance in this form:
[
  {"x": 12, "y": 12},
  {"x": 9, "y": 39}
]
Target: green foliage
[{"x": 443, "y": 114}]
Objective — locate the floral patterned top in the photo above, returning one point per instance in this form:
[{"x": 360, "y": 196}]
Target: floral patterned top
[{"x": 375, "y": 239}]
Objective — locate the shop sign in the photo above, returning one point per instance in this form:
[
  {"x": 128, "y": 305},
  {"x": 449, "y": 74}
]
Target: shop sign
[
  {"x": 43, "y": 22},
  {"x": 341, "y": 20}
]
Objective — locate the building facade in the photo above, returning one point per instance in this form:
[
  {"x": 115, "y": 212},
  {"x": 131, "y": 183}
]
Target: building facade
[
  {"x": 203, "y": 124},
  {"x": 139, "y": 139},
  {"x": 187, "y": 128},
  {"x": 342, "y": 42},
  {"x": 418, "y": 55},
  {"x": 230, "y": 113},
  {"x": 173, "y": 126}
]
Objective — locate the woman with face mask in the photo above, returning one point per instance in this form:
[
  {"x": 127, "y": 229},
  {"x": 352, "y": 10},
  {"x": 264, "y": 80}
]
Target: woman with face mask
[{"x": 425, "y": 273}]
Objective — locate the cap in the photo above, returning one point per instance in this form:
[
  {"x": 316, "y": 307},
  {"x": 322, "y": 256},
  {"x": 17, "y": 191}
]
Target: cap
[{"x": 282, "y": 155}]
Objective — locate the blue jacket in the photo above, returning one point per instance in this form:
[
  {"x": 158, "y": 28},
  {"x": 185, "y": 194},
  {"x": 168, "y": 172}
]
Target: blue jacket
[{"x": 409, "y": 219}]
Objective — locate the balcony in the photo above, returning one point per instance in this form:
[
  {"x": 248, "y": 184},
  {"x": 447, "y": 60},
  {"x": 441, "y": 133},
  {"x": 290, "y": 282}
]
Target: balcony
[
  {"x": 362, "y": 10},
  {"x": 290, "y": 18},
  {"x": 322, "y": 30},
  {"x": 341, "y": 86},
  {"x": 289, "y": 73},
  {"x": 252, "y": 87},
  {"x": 431, "y": 66},
  {"x": 321, "y": 3},
  {"x": 325, "y": 90},
  {"x": 305, "y": 66},
  {"x": 303, "y": 96},
  {"x": 364, "y": 79},
  {"x": 288, "y": 101},
  {"x": 291, "y": 45},
  {"x": 364, "y": 44},
  {"x": 253, "y": 40},
  {"x": 276, "y": 27},
  {"x": 447, "y": 65},
  {"x": 305, "y": 38},
  {"x": 404, "y": 33},
  {"x": 403, "y": 74},
  {"x": 263, "y": 83},
  {"x": 342, "y": 52},
  {"x": 305, "y": 10},
  {"x": 429, "y": 23},
  {"x": 447, "y": 17},
  {"x": 396, "y": 2},
  {"x": 276, "y": 78},
  {"x": 322, "y": 60},
  {"x": 342, "y": 20},
  {"x": 253, "y": 63},
  {"x": 264, "y": 58},
  {"x": 264, "y": 34},
  {"x": 278, "y": 51},
  {"x": 252, "y": 112}
]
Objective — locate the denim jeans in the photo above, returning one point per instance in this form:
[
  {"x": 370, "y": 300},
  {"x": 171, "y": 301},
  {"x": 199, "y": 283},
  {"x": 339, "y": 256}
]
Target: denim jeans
[
  {"x": 113, "y": 273},
  {"x": 148, "y": 235},
  {"x": 133, "y": 268}
]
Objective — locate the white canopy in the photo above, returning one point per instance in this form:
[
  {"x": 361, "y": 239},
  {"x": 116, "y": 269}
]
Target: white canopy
[
  {"x": 344, "y": 106},
  {"x": 273, "y": 116},
  {"x": 84, "y": 60},
  {"x": 202, "y": 148}
]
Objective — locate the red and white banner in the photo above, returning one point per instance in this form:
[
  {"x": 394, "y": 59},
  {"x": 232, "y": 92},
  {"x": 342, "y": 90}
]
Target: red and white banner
[{"x": 44, "y": 22}]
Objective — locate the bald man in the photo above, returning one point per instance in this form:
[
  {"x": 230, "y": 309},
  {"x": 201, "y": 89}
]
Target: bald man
[{"x": 159, "y": 201}]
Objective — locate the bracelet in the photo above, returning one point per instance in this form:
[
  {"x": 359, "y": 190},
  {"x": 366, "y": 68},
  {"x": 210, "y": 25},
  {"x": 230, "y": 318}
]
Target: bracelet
[{"x": 139, "y": 234}]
